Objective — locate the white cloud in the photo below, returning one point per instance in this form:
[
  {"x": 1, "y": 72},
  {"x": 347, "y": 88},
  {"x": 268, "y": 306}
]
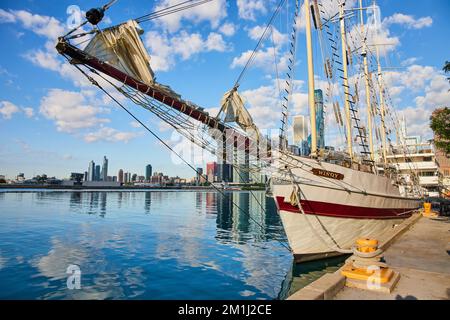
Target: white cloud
[
  {"x": 279, "y": 38},
  {"x": 436, "y": 93},
  {"x": 70, "y": 110},
  {"x": 47, "y": 58},
  {"x": 215, "y": 42},
  {"x": 429, "y": 89},
  {"x": 264, "y": 104},
  {"x": 248, "y": 9},
  {"x": 46, "y": 26},
  {"x": 409, "y": 21},
  {"x": 75, "y": 112},
  {"x": 135, "y": 124},
  {"x": 6, "y": 17},
  {"x": 44, "y": 59},
  {"x": 228, "y": 29},
  {"x": 376, "y": 33},
  {"x": 409, "y": 61},
  {"x": 414, "y": 77},
  {"x": 164, "y": 49},
  {"x": 213, "y": 12},
  {"x": 264, "y": 59},
  {"x": 110, "y": 135},
  {"x": 330, "y": 7},
  {"x": 186, "y": 45},
  {"x": 29, "y": 112},
  {"x": 7, "y": 109}
]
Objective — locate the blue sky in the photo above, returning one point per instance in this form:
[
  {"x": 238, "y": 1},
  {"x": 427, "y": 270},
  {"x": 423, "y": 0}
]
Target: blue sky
[{"x": 50, "y": 123}]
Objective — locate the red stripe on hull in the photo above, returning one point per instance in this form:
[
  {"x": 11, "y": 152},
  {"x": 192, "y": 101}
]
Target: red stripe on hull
[{"x": 343, "y": 211}]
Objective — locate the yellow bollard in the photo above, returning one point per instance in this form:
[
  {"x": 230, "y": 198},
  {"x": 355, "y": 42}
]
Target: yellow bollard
[
  {"x": 428, "y": 212},
  {"x": 426, "y": 208},
  {"x": 367, "y": 270},
  {"x": 367, "y": 245}
]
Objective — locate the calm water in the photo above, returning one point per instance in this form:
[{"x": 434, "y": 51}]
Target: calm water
[{"x": 145, "y": 245}]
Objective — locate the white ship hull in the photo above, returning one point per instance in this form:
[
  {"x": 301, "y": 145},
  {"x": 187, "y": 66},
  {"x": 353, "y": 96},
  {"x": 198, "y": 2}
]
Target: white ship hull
[{"x": 337, "y": 212}]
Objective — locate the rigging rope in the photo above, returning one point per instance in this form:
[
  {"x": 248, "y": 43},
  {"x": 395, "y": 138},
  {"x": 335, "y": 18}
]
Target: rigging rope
[
  {"x": 95, "y": 83},
  {"x": 171, "y": 9},
  {"x": 261, "y": 40},
  {"x": 289, "y": 84}
]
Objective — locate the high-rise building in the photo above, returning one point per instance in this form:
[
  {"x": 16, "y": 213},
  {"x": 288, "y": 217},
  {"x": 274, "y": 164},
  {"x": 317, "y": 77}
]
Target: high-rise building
[
  {"x": 224, "y": 172},
  {"x": 134, "y": 177},
  {"x": 97, "y": 173},
  {"x": 104, "y": 175},
  {"x": 91, "y": 171},
  {"x": 199, "y": 176},
  {"x": 300, "y": 127},
  {"x": 148, "y": 172},
  {"x": 320, "y": 120},
  {"x": 85, "y": 176},
  {"x": 241, "y": 163},
  {"x": 211, "y": 171},
  {"x": 120, "y": 176}
]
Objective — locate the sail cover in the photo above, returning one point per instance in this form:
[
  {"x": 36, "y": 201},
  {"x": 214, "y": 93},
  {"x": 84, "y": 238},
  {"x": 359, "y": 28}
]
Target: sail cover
[
  {"x": 122, "y": 47},
  {"x": 232, "y": 106}
]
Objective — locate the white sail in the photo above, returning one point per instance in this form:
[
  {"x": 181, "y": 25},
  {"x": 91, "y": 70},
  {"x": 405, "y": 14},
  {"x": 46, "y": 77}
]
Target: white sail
[
  {"x": 232, "y": 106},
  {"x": 122, "y": 47}
]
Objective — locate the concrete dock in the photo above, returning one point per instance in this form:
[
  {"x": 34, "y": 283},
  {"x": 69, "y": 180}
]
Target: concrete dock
[{"x": 419, "y": 250}]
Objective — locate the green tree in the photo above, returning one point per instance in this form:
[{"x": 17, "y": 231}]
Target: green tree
[
  {"x": 440, "y": 124},
  {"x": 446, "y": 68}
]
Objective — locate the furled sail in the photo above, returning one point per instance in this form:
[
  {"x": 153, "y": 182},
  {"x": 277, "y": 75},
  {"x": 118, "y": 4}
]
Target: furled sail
[
  {"x": 122, "y": 47},
  {"x": 232, "y": 106}
]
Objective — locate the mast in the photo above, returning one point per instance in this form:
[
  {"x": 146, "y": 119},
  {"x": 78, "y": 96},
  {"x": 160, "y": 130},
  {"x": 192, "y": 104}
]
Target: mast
[
  {"x": 382, "y": 107},
  {"x": 346, "y": 86},
  {"x": 367, "y": 83},
  {"x": 311, "y": 98}
]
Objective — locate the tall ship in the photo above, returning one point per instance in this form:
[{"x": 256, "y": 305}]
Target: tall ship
[{"x": 327, "y": 197}]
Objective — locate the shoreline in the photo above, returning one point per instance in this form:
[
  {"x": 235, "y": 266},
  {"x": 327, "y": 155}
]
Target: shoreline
[
  {"x": 76, "y": 188},
  {"x": 32, "y": 188}
]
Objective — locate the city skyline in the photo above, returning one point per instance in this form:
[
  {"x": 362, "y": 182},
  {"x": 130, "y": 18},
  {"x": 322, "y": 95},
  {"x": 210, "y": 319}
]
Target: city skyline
[
  {"x": 108, "y": 173},
  {"x": 38, "y": 87}
]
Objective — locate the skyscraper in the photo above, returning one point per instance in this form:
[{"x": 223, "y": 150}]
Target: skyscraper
[
  {"x": 211, "y": 171},
  {"x": 97, "y": 173},
  {"x": 300, "y": 127},
  {"x": 120, "y": 176},
  {"x": 148, "y": 172},
  {"x": 320, "y": 121},
  {"x": 91, "y": 171},
  {"x": 224, "y": 172},
  {"x": 199, "y": 175},
  {"x": 104, "y": 175}
]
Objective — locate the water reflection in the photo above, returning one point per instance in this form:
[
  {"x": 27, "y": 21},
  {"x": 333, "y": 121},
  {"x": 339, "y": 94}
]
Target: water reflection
[
  {"x": 200, "y": 241},
  {"x": 243, "y": 213},
  {"x": 148, "y": 202}
]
